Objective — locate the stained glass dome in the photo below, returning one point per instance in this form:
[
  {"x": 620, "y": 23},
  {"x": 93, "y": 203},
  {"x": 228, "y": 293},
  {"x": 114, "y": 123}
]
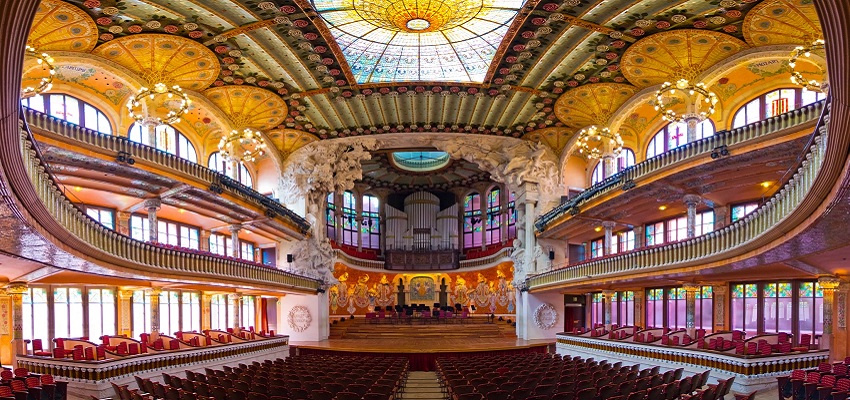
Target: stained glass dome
[
  {"x": 420, "y": 161},
  {"x": 418, "y": 40}
]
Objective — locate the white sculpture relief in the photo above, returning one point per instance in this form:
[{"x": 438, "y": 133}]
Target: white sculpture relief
[
  {"x": 321, "y": 168},
  {"x": 314, "y": 257},
  {"x": 299, "y": 318},
  {"x": 545, "y": 317}
]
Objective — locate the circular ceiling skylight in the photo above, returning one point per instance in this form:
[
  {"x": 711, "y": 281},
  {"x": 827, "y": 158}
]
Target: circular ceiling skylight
[{"x": 421, "y": 161}]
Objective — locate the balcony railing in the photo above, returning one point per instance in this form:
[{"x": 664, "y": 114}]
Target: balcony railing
[
  {"x": 700, "y": 148},
  {"x": 78, "y": 231},
  {"x": 121, "y": 145},
  {"x": 746, "y": 234}
]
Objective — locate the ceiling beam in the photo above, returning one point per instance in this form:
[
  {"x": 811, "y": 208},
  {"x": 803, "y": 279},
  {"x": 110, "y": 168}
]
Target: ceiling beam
[
  {"x": 40, "y": 273},
  {"x": 806, "y": 267},
  {"x": 168, "y": 193}
]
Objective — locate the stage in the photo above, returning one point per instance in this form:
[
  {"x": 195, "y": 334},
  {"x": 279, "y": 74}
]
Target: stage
[{"x": 422, "y": 352}]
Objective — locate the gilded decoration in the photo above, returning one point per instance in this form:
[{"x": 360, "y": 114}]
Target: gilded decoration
[
  {"x": 592, "y": 104},
  {"x": 61, "y": 26},
  {"x": 671, "y": 55},
  {"x": 289, "y": 140},
  {"x": 782, "y": 22},
  {"x": 163, "y": 58},
  {"x": 249, "y": 107},
  {"x": 555, "y": 138},
  {"x": 359, "y": 291}
]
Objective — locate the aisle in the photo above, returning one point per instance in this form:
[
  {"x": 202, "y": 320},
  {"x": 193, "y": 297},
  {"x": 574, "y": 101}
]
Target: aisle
[{"x": 422, "y": 385}]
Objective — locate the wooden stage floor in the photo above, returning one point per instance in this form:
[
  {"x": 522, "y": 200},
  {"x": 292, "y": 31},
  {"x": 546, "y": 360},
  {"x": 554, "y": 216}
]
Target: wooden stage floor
[{"x": 420, "y": 345}]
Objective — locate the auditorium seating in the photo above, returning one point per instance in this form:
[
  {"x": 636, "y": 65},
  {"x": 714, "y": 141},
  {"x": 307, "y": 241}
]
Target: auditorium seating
[
  {"x": 826, "y": 382},
  {"x": 313, "y": 377},
  {"x": 553, "y": 377},
  {"x": 20, "y": 384}
]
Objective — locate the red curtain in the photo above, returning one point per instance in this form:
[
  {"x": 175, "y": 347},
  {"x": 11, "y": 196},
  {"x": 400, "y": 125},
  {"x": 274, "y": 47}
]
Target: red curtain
[
  {"x": 426, "y": 361},
  {"x": 264, "y": 318}
]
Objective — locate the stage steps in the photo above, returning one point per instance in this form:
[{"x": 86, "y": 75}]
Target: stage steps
[
  {"x": 472, "y": 329},
  {"x": 421, "y": 385}
]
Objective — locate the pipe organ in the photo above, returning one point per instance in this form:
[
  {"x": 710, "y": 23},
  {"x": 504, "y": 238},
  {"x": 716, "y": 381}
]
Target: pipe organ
[{"x": 422, "y": 225}]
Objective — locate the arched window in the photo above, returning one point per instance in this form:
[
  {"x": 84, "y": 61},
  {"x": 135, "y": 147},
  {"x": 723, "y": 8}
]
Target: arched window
[
  {"x": 624, "y": 160},
  {"x": 370, "y": 229},
  {"x": 774, "y": 103},
  {"x": 70, "y": 109},
  {"x": 676, "y": 134},
  {"x": 494, "y": 217},
  {"x": 168, "y": 140},
  {"x": 512, "y": 216},
  {"x": 217, "y": 163},
  {"x": 330, "y": 217},
  {"x": 472, "y": 221},
  {"x": 349, "y": 219}
]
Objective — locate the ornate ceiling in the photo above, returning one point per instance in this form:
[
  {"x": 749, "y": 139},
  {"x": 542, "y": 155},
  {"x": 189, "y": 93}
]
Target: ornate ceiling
[
  {"x": 382, "y": 171},
  {"x": 539, "y": 69}
]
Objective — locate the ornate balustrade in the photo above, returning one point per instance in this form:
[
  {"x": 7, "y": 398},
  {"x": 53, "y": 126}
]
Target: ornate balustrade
[
  {"x": 78, "y": 231},
  {"x": 95, "y": 377},
  {"x": 65, "y": 131},
  {"x": 784, "y": 210},
  {"x": 750, "y": 372},
  {"x": 700, "y": 148}
]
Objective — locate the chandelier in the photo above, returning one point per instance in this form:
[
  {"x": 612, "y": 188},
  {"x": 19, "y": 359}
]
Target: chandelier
[
  {"x": 595, "y": 142},
  {"x": 797, "y": 77},
  {"x": 46, "y": 82},
  {"x": 161, "y": 95},
  {"x": 242, "y": 145},
  {"x": 693, "y": 92}
]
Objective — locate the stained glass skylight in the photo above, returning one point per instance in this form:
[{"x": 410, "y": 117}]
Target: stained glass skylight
[
  {"x": 421, "y": 161},
  {"x": 418, "y": 40}
]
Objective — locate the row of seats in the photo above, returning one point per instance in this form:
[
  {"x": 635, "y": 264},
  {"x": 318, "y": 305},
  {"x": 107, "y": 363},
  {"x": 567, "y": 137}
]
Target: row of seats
[
  {"x": 20, "y": 384},
  {"x": 827, "y": 382},
  {"x": 542, "y": 377},
  {"x": 310, "y": 377}
]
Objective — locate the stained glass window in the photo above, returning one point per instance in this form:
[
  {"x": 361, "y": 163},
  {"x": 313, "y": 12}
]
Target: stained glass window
[
  {"x": 494, "y": 216},
  {"x": 512, "y": 216},
  {"x": 70, "y": 109},
  {"x": 217, "y": 163},
  {"x": 409, "y": 40},
  {"x": 168, "y": 140},
  {"x": 218, "y": 312},
  {"x": 349, "y": 219},
  {"x": 68, "y": 312},
  {"x": 624, "y": 160},
  {"x": 810, "y": 308},
  {"x": 191, "y": 318},
  {"x": 370, "y": 229},
  {"x": 655, "y": 308},
  {"x": 330, "y": 217},
  {"x": 675, "y": 135},
  {"x": 596, "y": 248},
  {"x": 597, "y": 310},
  {"x": 141, "y": 312},
  {"x": 745, "y": 314},
  {"x": 623, "y": 308},
  {"x": 35, "y": 315},
  {"x": 421, "y": 161},
  {"x": 774, "y": 103},
  {"x": 741, "y": 210},
  {"x": 101, "y": 312},
  {"x": 472, "y": 224}
]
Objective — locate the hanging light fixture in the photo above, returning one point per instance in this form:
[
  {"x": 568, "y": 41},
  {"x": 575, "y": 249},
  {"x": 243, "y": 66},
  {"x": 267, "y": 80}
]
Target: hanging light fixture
[
  {"x": 142, "y": 107},
  {"x": 595, "y": 142},
  {"x": 242, "y": 145},
  {"x": 797, "y": 77},
  {"x": 46, "y": 82},
  {"x": 696, "y": 96}
]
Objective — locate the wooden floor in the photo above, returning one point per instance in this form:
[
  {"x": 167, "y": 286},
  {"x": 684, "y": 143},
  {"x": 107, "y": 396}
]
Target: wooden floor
[
  {"x": 412, "y": 345},
  {"x": 477, "y": 335}
]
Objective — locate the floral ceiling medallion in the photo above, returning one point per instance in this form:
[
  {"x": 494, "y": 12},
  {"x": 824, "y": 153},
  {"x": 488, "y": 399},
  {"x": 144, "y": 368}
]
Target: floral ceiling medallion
[{"x": 414, "y": 40}]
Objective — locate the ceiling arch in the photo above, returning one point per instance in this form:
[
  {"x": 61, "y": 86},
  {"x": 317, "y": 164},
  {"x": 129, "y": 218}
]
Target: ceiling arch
[
  {"x": 782, "y": 22},
  {"x": 249, "y": 107},
  {"x": 61, "y": 26},
  {"x": 164, "y": 58},
  {"x": 673, "y": 55},
  {"x": 592, "y": 104}
]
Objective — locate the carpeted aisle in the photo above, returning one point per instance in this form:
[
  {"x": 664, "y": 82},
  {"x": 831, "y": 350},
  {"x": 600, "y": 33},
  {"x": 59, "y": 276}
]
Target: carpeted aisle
[{"x": 422, "y": 386}]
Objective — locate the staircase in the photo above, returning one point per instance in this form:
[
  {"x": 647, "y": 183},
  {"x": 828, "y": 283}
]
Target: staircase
[
  {"x": 474, "y": 328},
  {"x": 422, "y": 385}
]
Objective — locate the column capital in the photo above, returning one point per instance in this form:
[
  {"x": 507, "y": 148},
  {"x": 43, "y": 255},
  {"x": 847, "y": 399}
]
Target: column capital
[
  {"x": 16, "y": 288},
  {"x": 608, "y": 293},
  {"x": 235, "y": 228},
  {"x": 609, "y": 224},
  {"x": 154, "y": 203},
  {"x": 234, "y": 296},
  {"x": 691, "y": 200},
  {"x": 124, "y": 294},
  {"x": 828, "y": 282},
  {"x": 692, "y": 287},
  {"x": 156, "y": 291},
  {"x": 720, "y": 288}
]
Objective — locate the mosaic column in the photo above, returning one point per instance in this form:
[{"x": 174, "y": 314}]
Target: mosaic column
[
  {"x": 125, "y": 312},
  {"x": 122, "y": 222},
  {"x": 640, "y": 236},
  {"x": 16, "y": 291},
  {"x": 639, "y": 303},
  {"x": 206, "y": 311},
  {"x": 829, "y": 285},
  {"x": 609, "y": 232},
  {"x": 608, "y": 300},
  {"x": 692, "y": 122},
  {"x": 235, "y": 250},
  {"x": 692, "y": 200},
  {"x": 720, "y": 293},
  {"x": 721, "y": 215},
  {"x": 691, "y": 291},
  {"x": 609, "y": 166},
  {"x": 155, "y": 292},
  {"x": 153, "y": 205},
  {"x": 204, "y": 240},
  {"x": 236, "y": 309}
]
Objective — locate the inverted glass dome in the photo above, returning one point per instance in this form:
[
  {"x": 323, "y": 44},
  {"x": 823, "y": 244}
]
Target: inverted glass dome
[{"x": 421, "y": 161}]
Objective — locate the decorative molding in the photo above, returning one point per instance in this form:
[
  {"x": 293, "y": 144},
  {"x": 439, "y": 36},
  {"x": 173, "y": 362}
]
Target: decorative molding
[
  {"x": 545, "y": 317},
  {"x": 299, "y": 318}
]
